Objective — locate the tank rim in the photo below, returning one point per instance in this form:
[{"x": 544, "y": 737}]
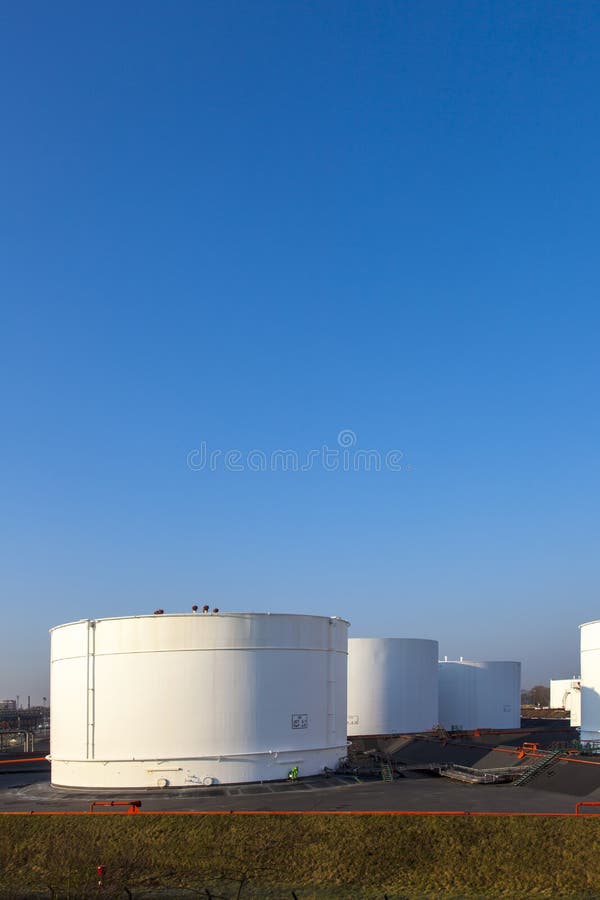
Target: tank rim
[{"x": 198, "y": 615}]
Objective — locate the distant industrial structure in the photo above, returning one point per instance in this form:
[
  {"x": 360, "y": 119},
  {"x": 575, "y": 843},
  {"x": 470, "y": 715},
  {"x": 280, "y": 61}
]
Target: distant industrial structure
[
  {"x": 22, "y": 728},
  {"x": 580, "y": 696},
  {"x": 565, "y": 693}
]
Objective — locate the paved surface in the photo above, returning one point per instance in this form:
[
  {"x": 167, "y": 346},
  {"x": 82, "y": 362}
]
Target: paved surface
[
  {"x": 574, "y": 779},
  {"x": 26, "y": 791},
  {"x": 25, "y": 786}
]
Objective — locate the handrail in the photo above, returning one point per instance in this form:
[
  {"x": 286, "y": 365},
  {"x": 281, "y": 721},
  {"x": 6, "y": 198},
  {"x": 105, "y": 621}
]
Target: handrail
[
  {"x": 134, "y": 805},
  {"x": 23, "y": 759},
  {"x": 302, "y": 812},
  {"x": 585, "y": 803}
]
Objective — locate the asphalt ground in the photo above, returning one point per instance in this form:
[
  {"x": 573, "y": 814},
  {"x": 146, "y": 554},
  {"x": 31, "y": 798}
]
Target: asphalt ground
[
  {"x": 26, "y": 791},
  {"x": 25, "y": 786},
  {"x": 574, "y": 779}
]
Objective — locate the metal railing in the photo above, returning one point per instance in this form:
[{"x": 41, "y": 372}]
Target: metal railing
[
  {"x": 479, "y": 776},
  {"x": 28, "y": 738},
  {"x": 541, "y": 763}
]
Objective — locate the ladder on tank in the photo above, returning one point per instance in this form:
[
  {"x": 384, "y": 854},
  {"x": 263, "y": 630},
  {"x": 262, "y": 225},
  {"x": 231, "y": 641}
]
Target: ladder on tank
[{"x": 539, "y": 765}]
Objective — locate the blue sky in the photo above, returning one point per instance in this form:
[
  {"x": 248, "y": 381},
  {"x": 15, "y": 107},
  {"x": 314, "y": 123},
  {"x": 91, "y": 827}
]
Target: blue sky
[{"x": 255, "y": 225}]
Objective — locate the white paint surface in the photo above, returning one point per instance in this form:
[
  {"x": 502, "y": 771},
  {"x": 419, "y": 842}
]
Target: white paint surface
[
  {"x": 590, "y": 681},
  {"x": 392, "y": 685},
  {"x": 565, "y": 693},
  {"x": 483, "y": 694},
  {"x": 196, "y": 699}
]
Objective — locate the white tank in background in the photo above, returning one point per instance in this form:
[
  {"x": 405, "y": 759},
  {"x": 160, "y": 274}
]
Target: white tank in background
[
  {"x": 565, "y": 693},
  {"x": 392, "y": 685},
  {"x": 178, "y": 700},
  {"x": 590, "y": 681},
  {"x": 483, "y": 694}
]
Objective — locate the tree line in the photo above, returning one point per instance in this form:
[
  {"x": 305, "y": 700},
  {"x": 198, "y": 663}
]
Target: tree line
[{"x": 539, "y": 695}]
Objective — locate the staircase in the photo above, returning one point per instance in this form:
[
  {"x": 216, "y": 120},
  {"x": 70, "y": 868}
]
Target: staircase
[
  {"x": 543, "y": 762},
  {"x": 386, "y": 771},
  {"x": 440, "y": 732}
]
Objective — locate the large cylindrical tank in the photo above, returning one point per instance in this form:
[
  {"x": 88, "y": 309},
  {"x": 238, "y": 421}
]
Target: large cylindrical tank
[
  {"x": 392, "y": 685},
  {"x": 480, "y": 694},
  {"x": 178, "y": 700},
  {"x": 590, "y": 681}
]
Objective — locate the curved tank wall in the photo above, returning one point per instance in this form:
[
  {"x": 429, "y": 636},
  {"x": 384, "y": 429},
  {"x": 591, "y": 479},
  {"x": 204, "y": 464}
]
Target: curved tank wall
[
  {"x": 479, "y": 694},
  {"x": 177, "y": 700},
  {"x": 590, "y": 681},
  {"x": 565, "y": 693},
  {"x": 392, "y": 685}
]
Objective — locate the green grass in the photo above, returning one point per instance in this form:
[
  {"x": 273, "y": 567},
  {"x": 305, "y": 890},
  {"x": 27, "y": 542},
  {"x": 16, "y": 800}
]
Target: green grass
[{"x": 315, "y": 856}]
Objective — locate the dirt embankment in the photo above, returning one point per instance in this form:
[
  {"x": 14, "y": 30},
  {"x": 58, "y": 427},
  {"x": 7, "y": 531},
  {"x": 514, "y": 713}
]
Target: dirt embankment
[{"x": 535, "y": 712}]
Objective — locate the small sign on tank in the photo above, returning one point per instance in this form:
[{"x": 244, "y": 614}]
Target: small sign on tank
[{"x": 299, "y": 720}]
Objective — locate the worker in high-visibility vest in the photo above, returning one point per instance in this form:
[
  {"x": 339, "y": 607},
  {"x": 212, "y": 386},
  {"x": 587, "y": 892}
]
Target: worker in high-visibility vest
[{"x": 293, "y": 773}]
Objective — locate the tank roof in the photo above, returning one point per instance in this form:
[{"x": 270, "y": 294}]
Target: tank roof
[
  {"x": 395, "y": 638},
  {"x": 471, "y": 662},
  {"x": 201, "y": 615}
]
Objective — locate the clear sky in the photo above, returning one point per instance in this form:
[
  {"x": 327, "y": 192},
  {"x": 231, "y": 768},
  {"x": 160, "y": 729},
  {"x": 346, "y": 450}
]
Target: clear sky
[{"x": 254, "y": 225}]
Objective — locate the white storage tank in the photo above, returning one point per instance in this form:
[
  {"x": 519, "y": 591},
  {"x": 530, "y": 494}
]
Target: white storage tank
[
  {"x": 590, "y": 681},
  {"x": 565, "y": 693},
  {"x": 180, "y": 700},
  {"x": 483, "y": 694},
  {"x": 392, "y": 685}
]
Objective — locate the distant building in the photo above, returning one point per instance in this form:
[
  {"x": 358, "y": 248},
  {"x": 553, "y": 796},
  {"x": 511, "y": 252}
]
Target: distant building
[
  {"x": 565, "y": 693},
  {"x": 8, "y": 705}
]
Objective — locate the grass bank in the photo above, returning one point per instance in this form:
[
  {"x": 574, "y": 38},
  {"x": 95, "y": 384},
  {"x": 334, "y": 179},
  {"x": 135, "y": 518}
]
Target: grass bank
[{"x": 318, "y": 857}]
